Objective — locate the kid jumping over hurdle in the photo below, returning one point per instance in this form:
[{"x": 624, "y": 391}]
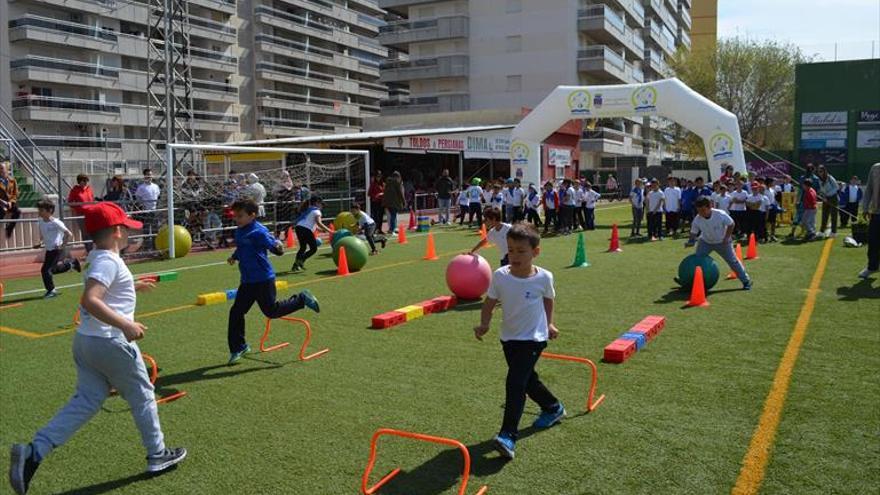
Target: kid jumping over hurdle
[
  {"x": 105, "y": 354},
  {"x": 496, "y": 233},
  {"x": 526, "y": 294},
  {"x": 252, "y": 240}
]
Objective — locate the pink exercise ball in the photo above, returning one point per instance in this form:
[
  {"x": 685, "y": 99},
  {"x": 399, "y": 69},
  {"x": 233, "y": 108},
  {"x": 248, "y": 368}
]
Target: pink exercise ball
[{"x": 468, "y": 276}]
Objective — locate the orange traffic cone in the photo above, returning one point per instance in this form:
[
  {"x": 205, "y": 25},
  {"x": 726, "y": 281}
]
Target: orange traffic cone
[
  {"x": 289, "y": 239},
  {"x": 752, "y": 253},
  {"x": 412, "y": 220},
  {"x": 484, "y": 235},
  {"x": 401, "y": 235},
  {"x": 739, "y": 256},
  {"x": 615, "y": 240},
  {"x": 342, "y": 265},
  {"x": 698, "y": 291},
  {"x": 430, "y": 253}
]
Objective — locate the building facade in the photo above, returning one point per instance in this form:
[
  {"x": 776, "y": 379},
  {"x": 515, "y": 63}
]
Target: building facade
[
  {"x": 77, "y": 73},
  {"x": 489, "y": 54}
]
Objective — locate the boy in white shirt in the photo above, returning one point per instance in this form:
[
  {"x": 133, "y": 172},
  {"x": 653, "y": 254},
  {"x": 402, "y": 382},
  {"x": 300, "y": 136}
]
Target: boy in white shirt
[
  {"x": 772, "y": 208},
  {"x": 580, "y": 214},
  {"x": 637, "y": 201},
  {"x": 532, "y": 203},
  {"x": 54, "y": 235},
  {"x": 569, "y": 204},
  {"x": 655, "y": 201},
  {"x": 672, "y": 202},
  {"x": 527, "y": 296},
  {"x": 756, "y": 212},
  {"x": 715, "y": 231},
  {"x": 551, "y": 207},
  {"x": 463, "y": 206},
  {"x": 367, "y": 226},
  {"x": 738, "y": 199},
  {"x": 496, "y": 233},
  {"x": 105, "y": 354},
  {"x": 591, "y": 196},
  {"x": 474, "y": 195},
  {"x": 722, "y": 201}
]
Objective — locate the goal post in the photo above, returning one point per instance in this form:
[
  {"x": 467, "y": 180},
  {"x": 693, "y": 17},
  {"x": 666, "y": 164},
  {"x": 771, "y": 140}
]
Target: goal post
[{"x": 341, "y": 170}]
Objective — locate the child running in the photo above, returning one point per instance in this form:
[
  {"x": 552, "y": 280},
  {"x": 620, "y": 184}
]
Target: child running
[
  {"x": 526, "y": 294},
  {"x": 367, "y": 226},
  {"x": 496, "y": 233},
  {"x": 715, "y": 231},
  {"x": 54, "y": 235},
  {"x": 308, "y": 219},
  {"x": 252, "y": 240},
  {"x": 105, "y": 354}
]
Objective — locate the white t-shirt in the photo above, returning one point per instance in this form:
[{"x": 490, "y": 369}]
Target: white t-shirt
[
  {"x": 723, "y": 202},
  {"x": 739, "y": 195},
  {"x": 535, "y": 202},
  {"x": 771, "y": 197},
  {"x": 654, "y": 200},
  {"x": 474, "y": 193},
  {"x": 673, "y": 198},
  {"x": 107, "y": 268},
  {"x": 713, "y": 229},
  {"x": 637, "y": 198},
  {"x": 507, "y": 194},
  {"x": 310, "y": 221},
  {"x": 759, "y": 199},
  {"x": 518, "y": 195},
  {"x": 53, "y": 233},
  {"x": 590, "y": 198},
  {"x": 522, "y": 302},
  {"x": 496, "y": 199},
  {"x": 463, "y": 199},
  {"x": 148, "y": 195},
  {"x": 499, "y": 238},
  {"x": 580, "y": 195},
  {"x": 570, "y": 198},
  {"x": 365, "y": 220}
]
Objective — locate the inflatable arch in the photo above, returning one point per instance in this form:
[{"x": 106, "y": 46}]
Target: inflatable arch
[{"x": 668, "y": 98}]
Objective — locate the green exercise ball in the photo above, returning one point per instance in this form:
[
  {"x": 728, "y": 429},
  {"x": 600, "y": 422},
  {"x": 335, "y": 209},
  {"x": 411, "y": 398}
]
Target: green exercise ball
[
  {"x": 182, "y": 240},
  {"x": 345, "y": 220},
  {"x": 688, "y": 267},
  {"x": 339, "y": 235},
  {"x": 356, "y": 252}
]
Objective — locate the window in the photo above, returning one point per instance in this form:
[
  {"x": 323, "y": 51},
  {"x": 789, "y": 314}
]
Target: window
[
  {"x": 514, "y": 84},
  {"x": 514, "y": 6},
  {"x": 514, "y": 44}
]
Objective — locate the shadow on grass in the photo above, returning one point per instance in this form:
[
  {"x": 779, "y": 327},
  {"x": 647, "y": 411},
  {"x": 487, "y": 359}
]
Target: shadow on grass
[
  {"x": 463, "y": 305},
  {"x": 7, "y": 302},
  {"x": 110, "y": 486},
  {"x": 637, "y": 240},
  {"x": 439, "y": 474},
  {"x": 861, "y": 290},
  {"x": 678, "y": 294}
]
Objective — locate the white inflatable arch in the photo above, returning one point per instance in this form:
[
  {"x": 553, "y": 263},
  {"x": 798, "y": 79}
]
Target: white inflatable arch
[{"x": 668, "y": 98}]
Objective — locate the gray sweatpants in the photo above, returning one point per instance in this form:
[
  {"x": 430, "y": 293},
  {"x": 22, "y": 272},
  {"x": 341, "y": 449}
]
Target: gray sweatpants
[
  {"x": 808, "y": 221},
  {"x": 725, "y": 250},
  {"x": 102, "y": 363}
]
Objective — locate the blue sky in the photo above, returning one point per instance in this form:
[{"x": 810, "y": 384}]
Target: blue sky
[{"x": 813, "y": 25}]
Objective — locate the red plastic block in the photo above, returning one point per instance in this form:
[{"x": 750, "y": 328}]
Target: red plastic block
[
  {"x": 648, "y": 329},
  {"x": 431, "y": 306},
  {"x": 659, "y": 321},
  {"x": 619, "y": 351},
  {"x": 389, "y": 319},
  {"x": 445, "y": 302},
  {"x": 149, "y": 278}
]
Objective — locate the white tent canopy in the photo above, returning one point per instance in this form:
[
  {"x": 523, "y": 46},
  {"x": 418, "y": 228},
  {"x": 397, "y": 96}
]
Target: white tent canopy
[{"x": 668, "y": 98}]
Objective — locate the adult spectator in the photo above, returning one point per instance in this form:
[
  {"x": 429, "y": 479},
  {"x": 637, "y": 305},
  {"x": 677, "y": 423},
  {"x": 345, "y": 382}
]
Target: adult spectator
[
  {"x": 257, "y": 192},
  {"x": 827, "y": 189},
  {"x": 147, "y": 195},
  {"x": 611, "y": 188},
  {"x": 852, "y": 194},
  {"x": 8, "y": 198},
  {"x": 871, "y": 211},
  {"x": 375, "y": 192},
  {"x": 191, "y": 191},
  {"x": 393, "y": 199},
  {"x": 444, "y": 186},
  {"x": 116, "y": 191},
  {"x": 81, "y": 195}
]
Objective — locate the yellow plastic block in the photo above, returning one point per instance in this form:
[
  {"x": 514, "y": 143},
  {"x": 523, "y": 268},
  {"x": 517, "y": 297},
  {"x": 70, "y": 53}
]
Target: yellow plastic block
[
  {"x": 211, "y": 298},
  {"x": 412, "y": 312},
  {"x": 281, "y": 285}
]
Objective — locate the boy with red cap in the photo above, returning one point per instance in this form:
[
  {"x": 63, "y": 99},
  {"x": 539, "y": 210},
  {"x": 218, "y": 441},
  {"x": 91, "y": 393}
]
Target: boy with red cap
[{"x": 105, "y": 354}]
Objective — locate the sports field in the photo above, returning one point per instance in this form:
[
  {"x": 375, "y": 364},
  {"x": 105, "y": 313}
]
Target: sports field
[{"x": 772, "y": 391}]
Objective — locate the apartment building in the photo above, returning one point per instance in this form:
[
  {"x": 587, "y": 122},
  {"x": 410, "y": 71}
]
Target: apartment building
[
  {"x": 78, "y": 72},
  {"x": 491, "y": 54}
]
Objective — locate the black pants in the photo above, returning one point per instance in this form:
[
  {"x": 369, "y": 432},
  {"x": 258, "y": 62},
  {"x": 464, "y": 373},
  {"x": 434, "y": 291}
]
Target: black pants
[
  {"x": 853, "y": 210},
  {"x": 829, "y": 209},
  {"x": 567, "y": 219},
  {"x": 308, "y": 245},
  {"x": 637, "y": 214},
  {"x": 52, "y": 265},
  {"x": 475, "y": 209},
  {"x": 580, "y": 216},
  {"x": 550, "y": 219},
  {"x": 369, "y": 232},
  {"x": 754, "y": 221},
  {"x": 522, "y": 381},
  {"x": 874, "y": 242},
  {"x": 263, "y": 293},
  {"x": 518, "y": 214},
  {"x": 378, "y": 212},
  {"x": 462, "y": 212},
  {"x": 655, "y": 224},
  {"x": 589, "y": 218},
  {"x": 738, "y": 217},
  {"x": 532, "y": 216},
  {"x": 14, "y": 213},
  {"x": 671, "y": 222}
]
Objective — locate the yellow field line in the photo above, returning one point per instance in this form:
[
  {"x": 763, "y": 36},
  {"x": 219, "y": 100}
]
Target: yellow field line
[
  {"x": 166, "y": 310},
  {"x": 20, "y": 333},
  {"x": 756, "y": 458}
]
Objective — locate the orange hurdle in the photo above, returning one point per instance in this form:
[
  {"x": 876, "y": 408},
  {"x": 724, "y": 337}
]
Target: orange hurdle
[
  {"x": 11, "y": 306},
  {"x": 591, "y": 406},
  {"x": 465, "y": 472},
  {"x": 154, "y": 375},
  {"x": 302, "y": 350}
]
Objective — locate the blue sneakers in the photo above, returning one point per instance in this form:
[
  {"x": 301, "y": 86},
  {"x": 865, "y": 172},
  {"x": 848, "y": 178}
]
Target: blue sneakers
[
  {"x": 747, "y": 285},
  {"x": 548, "y": 419},
  {"x": 236, "y": 356},
  {"x": 505, "y": 445},
  {"x": 310, "y": 301}
]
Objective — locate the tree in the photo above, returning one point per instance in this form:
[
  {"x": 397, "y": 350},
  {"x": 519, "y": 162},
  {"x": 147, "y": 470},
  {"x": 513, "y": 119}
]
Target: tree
[{"x": 751, "y": 78}]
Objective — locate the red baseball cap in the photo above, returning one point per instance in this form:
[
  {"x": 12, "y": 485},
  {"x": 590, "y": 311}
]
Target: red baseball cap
[{"x": 105, "y": 215}]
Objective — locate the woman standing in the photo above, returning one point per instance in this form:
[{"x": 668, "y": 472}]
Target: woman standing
[
  {"x": 376, "y": 192},
  {"x": 309, "y": 218},
  {"x": 393, "y": 199},
  {"x": 827, "y": 189}
]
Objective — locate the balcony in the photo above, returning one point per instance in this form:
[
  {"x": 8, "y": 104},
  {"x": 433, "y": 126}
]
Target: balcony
[
  {"x": 604, "y": 25},
  {"x": 50, "y": 70},
  {"x": 225, "y": 6},
  {"x": 655, "y": 62},
  {"x": 293, "y": 23},
  {"x": 213, "y": 30},
  {"x": 425, "y": 104},
  {"x": 401, "y": 6},
  {"x": 48, "y": 108},
  {"x": 48, "y": 30},
  {"x": 684, "y": 38},
  {"x": 207, "y": 121},
  {"x": 302, "y": 77},
  {"x": 293, "y": 49},
  {"x": 286, "y": 127},
  {"x": 401, "y": 34},
  {"x": 661, "y": 36},
  {"x": 606, "y": 66},
  {"x": 684, "y": 15},
  {"x": 654, "y": 6},
  {"x": 612, "y": 142},
  {"x": 425, "y": 68},
  {"x": 303, "y": 103}
]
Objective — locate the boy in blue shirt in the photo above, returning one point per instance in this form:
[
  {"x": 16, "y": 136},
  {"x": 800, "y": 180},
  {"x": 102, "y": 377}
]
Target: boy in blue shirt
[{"x": 252, "y": 240}]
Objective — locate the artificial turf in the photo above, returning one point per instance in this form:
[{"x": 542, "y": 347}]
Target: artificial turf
[{"x": 677, "y": 418}]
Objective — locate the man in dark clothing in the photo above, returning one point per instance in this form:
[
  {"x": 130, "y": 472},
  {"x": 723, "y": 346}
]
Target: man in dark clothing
[{"x": 444, "y": 188}]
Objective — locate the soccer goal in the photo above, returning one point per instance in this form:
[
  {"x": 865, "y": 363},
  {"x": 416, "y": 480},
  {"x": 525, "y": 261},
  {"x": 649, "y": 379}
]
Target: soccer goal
[{"x": 278, "y": 178}]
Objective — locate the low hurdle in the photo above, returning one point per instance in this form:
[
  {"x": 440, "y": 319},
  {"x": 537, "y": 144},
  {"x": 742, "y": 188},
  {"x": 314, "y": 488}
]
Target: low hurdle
[
  {"x": 154, "y": 375},
  {"x": 594, "y": 377},
  {"x": 465, "y": 472},
  {"x": 305, "y": 344}
]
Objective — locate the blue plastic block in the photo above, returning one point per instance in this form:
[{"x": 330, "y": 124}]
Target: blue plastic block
[
  {"x": 231, "y": 293},
  {"x": 639, "y": 338}
]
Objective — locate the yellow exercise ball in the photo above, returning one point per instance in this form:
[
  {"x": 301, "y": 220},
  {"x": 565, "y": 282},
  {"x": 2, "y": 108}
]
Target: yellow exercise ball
[
  {"x": 345, "y": 220},
  {"x": 182, "y": 240}
]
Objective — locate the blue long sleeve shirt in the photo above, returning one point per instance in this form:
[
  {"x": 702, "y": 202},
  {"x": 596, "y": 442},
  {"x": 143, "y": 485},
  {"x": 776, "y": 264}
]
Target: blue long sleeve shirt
[{"x": 252, "y": 241}]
